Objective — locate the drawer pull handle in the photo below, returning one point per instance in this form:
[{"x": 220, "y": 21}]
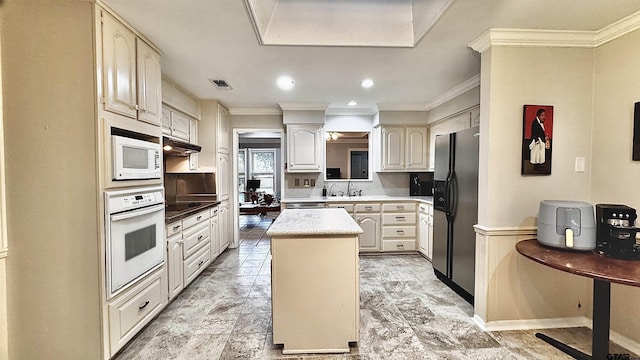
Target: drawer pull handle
[
  {"x": 400, "y": 245},
  {"x": 368, "y": 207},
  {"x": 400, "y": 231},
  {"x": 143, "y": 305},
  {"x": 400, "y": 207},
  {"x": 176, "y": 227},
  {"x": 199, "y": 217},
  {"x": 200, "y": 263},
  {"x": 400, "y": 218},
  {"x": 200, "y": 237}
]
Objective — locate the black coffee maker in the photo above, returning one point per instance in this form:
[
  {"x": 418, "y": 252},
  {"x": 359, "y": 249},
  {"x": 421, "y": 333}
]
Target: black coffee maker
[{"x": 616, "y": 231}]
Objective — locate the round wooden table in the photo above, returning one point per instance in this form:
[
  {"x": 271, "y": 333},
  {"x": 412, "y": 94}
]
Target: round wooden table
[{"x": 603, "y": 270}]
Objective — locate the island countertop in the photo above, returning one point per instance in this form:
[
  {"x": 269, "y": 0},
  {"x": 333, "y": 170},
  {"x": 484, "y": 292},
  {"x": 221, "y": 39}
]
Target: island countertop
[{"x": 292, "y": 222}]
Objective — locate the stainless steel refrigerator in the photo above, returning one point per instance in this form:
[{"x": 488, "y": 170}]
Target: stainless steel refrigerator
[{"x": 455, "y": 204}]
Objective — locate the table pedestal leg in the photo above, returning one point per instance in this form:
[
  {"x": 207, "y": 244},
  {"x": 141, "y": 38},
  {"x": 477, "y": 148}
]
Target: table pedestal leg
[
  {"x": 599, "y": 329},
  {"x": 601, "y": 319}
]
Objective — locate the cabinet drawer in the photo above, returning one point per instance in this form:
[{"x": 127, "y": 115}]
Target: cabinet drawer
[
  {"x": 129, "y": 313},
  {"x": 174, "y": 228},
  {"x": 398, "y": 219},
  {"x": 399, "y": 232},
  {"x": 195, "y": 236},
  {"x": 194, "y": 219},
  {"x": 196, "y": 263},
  {"x": 360, "y": 208},
  {"x": 213, "y": 211},
  {"x": 399, "y": 207},
  {"x": 348, "y": 207},
  {"x": 399, "y": 245},
  {"x": 425, "y": 208}
]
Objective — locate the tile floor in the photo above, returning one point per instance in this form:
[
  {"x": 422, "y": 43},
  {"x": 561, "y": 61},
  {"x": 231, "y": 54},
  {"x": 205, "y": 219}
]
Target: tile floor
[{"x": 406, "y": 313}]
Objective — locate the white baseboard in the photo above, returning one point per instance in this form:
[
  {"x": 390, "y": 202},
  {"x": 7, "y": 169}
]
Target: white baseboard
[{"x": 530, "y": 324}]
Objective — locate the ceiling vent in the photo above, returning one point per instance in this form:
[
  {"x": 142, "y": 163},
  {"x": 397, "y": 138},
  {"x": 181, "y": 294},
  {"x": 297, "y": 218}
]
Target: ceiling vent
[{"x": 221, "y": 84}]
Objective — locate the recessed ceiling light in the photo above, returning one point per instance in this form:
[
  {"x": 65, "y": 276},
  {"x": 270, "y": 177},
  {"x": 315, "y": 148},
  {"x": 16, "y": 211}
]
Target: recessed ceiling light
[
  {"x": 366, "y": 83},
  {"x": 352, "y": 103},
  {"x": 285, "y": 83}
]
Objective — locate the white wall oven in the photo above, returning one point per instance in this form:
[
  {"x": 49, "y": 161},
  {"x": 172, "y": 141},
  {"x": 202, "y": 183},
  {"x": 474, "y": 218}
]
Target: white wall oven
[
  {"x": 134, "y": 220},
  {"x": 135, "y": 159}
]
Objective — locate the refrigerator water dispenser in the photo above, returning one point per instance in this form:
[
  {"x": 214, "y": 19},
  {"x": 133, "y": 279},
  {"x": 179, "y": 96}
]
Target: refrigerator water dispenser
[{"x": 567, "y": 224}]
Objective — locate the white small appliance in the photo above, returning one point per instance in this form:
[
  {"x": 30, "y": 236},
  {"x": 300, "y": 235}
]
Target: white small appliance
[
  {"x": 567, "y": 224},
  {"x": 134, "y": 220},
  {"x": 135, "y": 159}
]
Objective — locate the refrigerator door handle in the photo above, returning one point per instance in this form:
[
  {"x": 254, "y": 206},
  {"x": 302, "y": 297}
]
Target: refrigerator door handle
[
  {"x": 452, "y": 199},
  {"x": 447, "y": 196}
]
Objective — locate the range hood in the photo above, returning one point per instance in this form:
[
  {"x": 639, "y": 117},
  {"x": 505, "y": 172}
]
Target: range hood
[{"x": 175, "y": 147}]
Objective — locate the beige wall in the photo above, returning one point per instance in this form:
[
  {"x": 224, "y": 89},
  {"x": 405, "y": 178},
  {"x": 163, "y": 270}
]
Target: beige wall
[
  {"x": 53, "y": 281},
  {"x": 4, "y": 350},
  {"x": 561, "y": 77},
  {"x": 615, "y": 176}
]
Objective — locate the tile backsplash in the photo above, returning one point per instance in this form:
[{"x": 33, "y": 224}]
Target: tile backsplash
[{"x": 390, "y": 184}]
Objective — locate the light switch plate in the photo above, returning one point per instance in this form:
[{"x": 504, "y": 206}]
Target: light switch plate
[
  {"x": 313, "y": 182},
  {"x": 579, "y": 164},
  {"x": 296, "y": 182}
]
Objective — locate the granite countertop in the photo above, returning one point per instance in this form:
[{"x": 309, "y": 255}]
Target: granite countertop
[
  {"x": 175, "y": 212},
  {"x": 365, "y": 198},
  {"x": 293, "y": 222}
]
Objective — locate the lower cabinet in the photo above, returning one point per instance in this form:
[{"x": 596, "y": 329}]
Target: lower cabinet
[
  {"x": 224, "y": 221},
  {"x": 133, "y": 309},
  {"x": 192, "y": 244},
  {"x": 399, "y": 227},
  {"x": 368, "y": 217},
  {"x": 425, "y": 230}
]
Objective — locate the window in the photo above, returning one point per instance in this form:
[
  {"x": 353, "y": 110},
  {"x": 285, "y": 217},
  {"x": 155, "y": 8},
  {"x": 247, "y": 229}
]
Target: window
[
  {"x": 242, "y": 154},
  {"x": 256, "y": 164}
]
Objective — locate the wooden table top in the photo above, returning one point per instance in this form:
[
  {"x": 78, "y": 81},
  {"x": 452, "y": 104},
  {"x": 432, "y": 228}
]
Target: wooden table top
[{"x": 583, "y": 263}]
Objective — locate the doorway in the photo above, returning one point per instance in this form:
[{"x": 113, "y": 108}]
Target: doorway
[
  {"x": 358, "y": 164},
  {"x": 258, "y": 155}
]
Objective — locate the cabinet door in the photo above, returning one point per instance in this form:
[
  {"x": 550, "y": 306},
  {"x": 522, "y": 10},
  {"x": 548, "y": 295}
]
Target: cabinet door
[
  {"x": 166, "y": 120},
  {"x": 222, "y": 178},
  {"x": 423, "y": 234},
  {"x": 393, "y": 148},
  {"x": 223, "y": 129},
  {"x": 180, "y": 125},
  {"x": 193, "y": 138},
  {"x": 215, "y": 234},
  {"x": 224, "y": 219},
  {"x": 370, "y": 238},
  {"x": 175, "y": 265},
  {"x": 304, "y": 148},
  {"x": 416, "y": 156},
  {"x": 119, "y": 66},
  {"x": 149, "y": 84},
  {"x": 430, "y": 236}
]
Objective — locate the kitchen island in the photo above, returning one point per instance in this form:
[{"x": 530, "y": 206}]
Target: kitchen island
[{"x": 314, "y": 280}]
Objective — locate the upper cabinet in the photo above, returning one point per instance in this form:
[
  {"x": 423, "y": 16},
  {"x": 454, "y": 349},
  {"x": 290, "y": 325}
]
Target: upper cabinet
[
  {"x": 131, "y": 73},
  {"x": 175, "y": 97},
  {"x": 304, "y": 148},
  {"x": 223, "y": 118},
  {"x": 401, "y": 148}
]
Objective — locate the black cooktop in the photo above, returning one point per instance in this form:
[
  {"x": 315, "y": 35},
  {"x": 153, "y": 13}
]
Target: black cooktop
[{"x": 177, "y": 211}]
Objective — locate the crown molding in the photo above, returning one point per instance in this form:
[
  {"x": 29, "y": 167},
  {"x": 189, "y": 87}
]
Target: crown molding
[
  {"x": 303, "y": 106},
  {"x": 402, "y": 107},
  {"x": 255, "y": 111},
  {"x": 556, "y": 38},
  {"x": 351, "y": 111},
  {"x": 454, "y": 92}
]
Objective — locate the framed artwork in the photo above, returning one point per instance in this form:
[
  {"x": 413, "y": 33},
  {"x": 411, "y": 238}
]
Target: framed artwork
[{"x": 537, "y": 139}]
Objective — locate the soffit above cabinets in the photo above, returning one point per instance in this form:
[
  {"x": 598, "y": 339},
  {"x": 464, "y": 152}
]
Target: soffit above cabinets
[{"x": 377, "y": 23}]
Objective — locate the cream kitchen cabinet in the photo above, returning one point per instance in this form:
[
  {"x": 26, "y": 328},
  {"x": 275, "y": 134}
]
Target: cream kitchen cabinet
[
  {"x": 425, "y": 230},
  {"x": 368, "y": 217},
  {"x": 175, "y": 263},
  {"x": 215, "y": 233},
  {"x": 222, "y": 176},
  {"x": 402, "y": 148},
  {"x": 399, "y": 227},
  {"x": 304, "y": 148},
  {"x": 131, "y": 73},
  {"x": 178, "y": 99},
  {"x": 224, "y": 221},
  {"x": 179, "y": 125},
  {"x": 224, "y": 123}
]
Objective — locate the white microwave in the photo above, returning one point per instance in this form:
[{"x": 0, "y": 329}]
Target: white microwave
[{"x": 135, "y": 159}]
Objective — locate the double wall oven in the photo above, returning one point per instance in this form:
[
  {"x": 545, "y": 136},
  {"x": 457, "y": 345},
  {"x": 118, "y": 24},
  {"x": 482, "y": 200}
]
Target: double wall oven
[{"x": 134, "y": 220}]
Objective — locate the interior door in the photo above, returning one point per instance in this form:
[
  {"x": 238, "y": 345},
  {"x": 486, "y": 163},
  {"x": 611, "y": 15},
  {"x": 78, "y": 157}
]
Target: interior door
[{"x": 359, "y": 165}]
